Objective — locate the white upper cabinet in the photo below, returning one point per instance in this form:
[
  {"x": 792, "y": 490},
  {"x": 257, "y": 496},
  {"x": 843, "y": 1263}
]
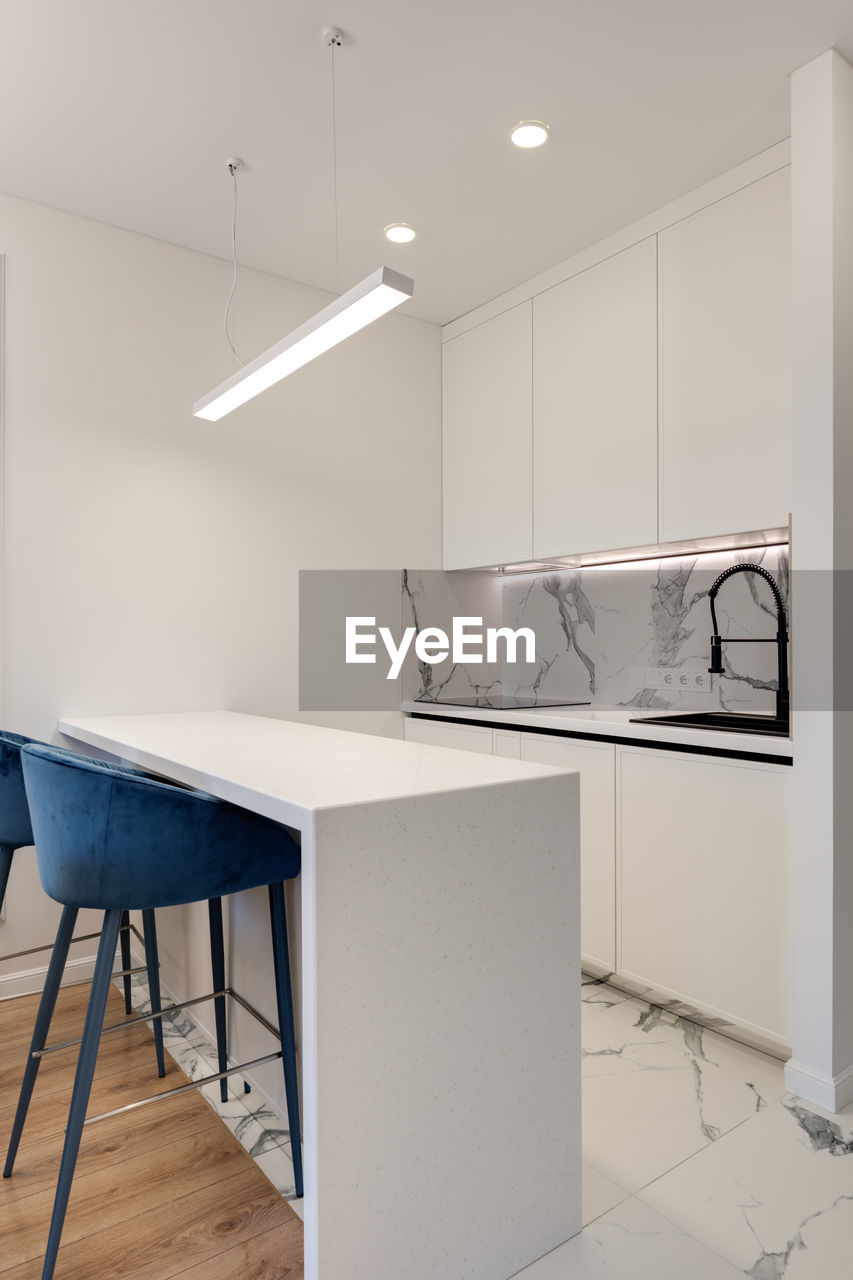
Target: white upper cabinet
[
  {"x": 487, "y": 443},
  {"x": 595, "y": 407},
  {"x": 725, "y": 365},
  {"x": 644, "y": 399}
]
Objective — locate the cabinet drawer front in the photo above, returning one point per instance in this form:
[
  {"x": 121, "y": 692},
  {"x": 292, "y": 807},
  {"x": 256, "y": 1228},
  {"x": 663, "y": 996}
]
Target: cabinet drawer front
[
  {"x": 595, "y": 764},
  {"x": 703, "y": 868}
]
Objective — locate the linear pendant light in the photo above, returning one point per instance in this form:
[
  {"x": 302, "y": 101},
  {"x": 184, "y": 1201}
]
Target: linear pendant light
[{"x": 353, "y": 310}]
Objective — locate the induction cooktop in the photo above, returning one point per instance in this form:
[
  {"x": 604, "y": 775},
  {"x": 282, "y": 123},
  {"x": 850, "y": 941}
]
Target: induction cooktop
[{"x": 503, "y": 702}]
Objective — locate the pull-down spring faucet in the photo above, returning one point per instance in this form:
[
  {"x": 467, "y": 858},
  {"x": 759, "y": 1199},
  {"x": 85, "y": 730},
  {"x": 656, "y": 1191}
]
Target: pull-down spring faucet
[{"x": 783, "y": 701}]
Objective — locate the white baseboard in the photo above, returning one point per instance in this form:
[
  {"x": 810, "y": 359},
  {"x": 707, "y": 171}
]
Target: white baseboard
[
  {"x": 28, "y": 982},
  {"x": 832, "y": 1093}
]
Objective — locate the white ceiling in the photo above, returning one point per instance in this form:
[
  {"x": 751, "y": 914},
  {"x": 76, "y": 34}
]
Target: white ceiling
[{"x": 125, "y": 111}]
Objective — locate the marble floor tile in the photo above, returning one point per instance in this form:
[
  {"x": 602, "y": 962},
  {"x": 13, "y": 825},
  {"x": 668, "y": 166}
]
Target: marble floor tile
[
  {"x": 600, "y": 1193},
  {"x": 774, "y": 1196},
  {"x": 278, "y": 1167},
  {"x": 657, "y": 1089},
  {"x": 597, "y": 995},
  {"x": 631, "y": 1242},
  {"x": 697, "y": 1165}
]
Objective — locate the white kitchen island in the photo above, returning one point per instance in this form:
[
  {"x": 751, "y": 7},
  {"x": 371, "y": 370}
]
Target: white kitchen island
[{"x": 440, "y": 1038}]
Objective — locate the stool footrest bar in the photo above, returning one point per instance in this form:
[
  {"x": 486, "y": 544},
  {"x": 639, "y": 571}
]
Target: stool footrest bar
[
  {"x": 131, "y": 1022},
  {"x": 140, "y": 936},
  {"x": 121, "y": 973},
  {"x": 250, "y": 1009},
  {"x": 84, "y": 937},
  {"x": 184, "y": 1088},
  {"x": 48, "y": 946}
]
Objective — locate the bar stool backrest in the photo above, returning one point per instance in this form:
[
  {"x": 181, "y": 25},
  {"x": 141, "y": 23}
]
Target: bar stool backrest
[
  {"x": 15, "y": 827},
  {"x": 108, "y": 837}
]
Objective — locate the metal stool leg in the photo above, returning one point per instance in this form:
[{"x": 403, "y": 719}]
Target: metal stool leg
[
  {"x": 284, "y": 1000},
  {"x": 6, "y": 851},
  {"x": 217, "y": 964},
  {"x": 82, "y": 1083},
  {"x": 47, "y": 1004},
  {"x": 125, "y": 959},
  {"x": 152, "y": 961}
]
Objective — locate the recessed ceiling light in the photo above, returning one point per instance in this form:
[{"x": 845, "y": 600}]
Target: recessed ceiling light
[
  {"x": 529, "y": 133},
  {"x": 400, "y": 232}
]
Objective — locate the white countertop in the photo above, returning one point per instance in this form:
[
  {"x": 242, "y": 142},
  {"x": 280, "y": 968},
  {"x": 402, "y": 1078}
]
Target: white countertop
[
  {"x": 287, "y": 770},
  {"x": 611, "y": 722}
]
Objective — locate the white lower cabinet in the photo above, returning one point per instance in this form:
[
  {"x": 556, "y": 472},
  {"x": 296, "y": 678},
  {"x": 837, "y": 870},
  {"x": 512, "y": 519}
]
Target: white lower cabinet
[
  {"x": 703, "y": 872},
  {"x": 594, "y": 762},
  {"x": 507, "y": 744},
  {"x": 438, "y": 733},
  {"x": 684, "y": 869}
]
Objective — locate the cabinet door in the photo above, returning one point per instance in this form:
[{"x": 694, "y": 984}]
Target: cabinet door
[
  {"x": 595, "y": 407},
  {"x": 595, "y": 764},
  {"x": 725, "y": 360},
  {"x": 507, "y": 743},
  {"x": 487, "y": 443},
  {"x": 438, "y": 733},
  {"x": 703, "y": 869}
]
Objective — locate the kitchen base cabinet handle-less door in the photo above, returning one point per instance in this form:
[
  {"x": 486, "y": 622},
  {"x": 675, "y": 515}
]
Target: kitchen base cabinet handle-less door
[
  {"x": 703, "y": 872},
  {"x": 594, "y": 762},
  {"x": 437, "y": 733}
]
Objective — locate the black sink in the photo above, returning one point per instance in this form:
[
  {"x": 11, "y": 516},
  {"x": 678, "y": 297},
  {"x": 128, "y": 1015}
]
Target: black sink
[{"x": 723, "y": 722}]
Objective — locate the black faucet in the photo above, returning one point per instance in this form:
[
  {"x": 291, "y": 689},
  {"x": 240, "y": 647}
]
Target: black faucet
[{"x": 783, "y": 701}]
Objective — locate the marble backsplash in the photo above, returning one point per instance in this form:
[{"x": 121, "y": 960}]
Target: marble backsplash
[{"x": 606, "y": 634}]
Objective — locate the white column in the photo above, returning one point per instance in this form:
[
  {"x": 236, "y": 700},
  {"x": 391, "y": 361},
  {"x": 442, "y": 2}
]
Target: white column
[{"x": 821, "y": 1068}]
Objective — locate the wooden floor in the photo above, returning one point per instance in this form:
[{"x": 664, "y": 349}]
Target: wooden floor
[{"x": 160, "y": 1192}]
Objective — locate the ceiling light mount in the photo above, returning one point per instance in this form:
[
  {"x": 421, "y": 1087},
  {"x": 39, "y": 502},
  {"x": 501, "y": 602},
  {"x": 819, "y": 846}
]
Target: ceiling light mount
[
  {"x": 332, "y": 37},
  {"x": 529, "y": 133},
  {"x": 400, "y": 232},
  {"x": 232, "y": 164}
]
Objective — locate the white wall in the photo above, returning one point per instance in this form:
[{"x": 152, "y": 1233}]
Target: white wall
[{"x": 151, "y": 558}]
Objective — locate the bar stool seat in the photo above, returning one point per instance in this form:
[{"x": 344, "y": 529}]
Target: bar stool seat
[
  {"x": 16, "y": 832},
  {"x": 112, "y": 840}
]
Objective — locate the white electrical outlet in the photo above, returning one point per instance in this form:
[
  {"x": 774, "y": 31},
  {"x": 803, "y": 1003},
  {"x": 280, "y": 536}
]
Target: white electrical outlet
[{"x": 677, "y": 678}]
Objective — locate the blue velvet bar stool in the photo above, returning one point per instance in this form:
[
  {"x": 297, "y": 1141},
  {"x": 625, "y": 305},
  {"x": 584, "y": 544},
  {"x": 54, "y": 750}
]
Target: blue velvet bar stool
[
  {"x": 16, "y": 833},
  {"x": 112, "y": 840}
]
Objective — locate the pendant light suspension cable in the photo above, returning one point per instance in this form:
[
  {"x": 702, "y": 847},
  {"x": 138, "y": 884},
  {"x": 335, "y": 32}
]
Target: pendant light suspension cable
[
  {"x": 233, "y": 166},
  {"x": 365, "y": 302},
  {"x": 334, "y": 39}
]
